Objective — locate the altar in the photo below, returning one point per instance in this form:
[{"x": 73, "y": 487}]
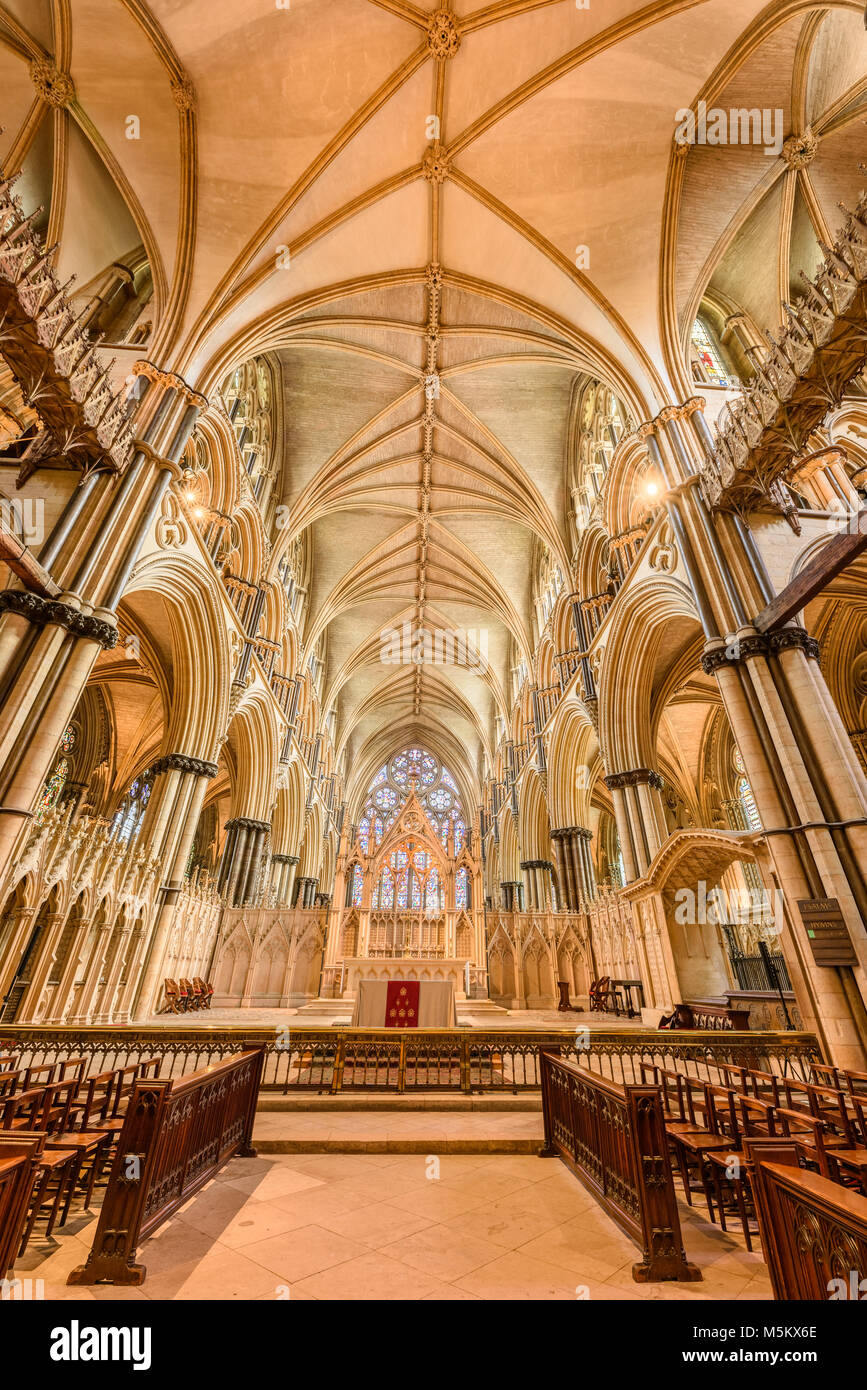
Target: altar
[
  {"x": 382, "y": 1004},
  {"x": 410, "y": 967}
]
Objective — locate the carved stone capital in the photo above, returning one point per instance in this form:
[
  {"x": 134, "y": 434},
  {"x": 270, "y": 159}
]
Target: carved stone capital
[
  {"x": 789, "y": 638},
  {"x": 170, "y": 381},
  {"x": 247, "y": 823},
  {"x": 760, "y": 644},
  {"x": 636, "y": 777},
  {"x": 43, "y": 612},
  {"x": 285, "y": 859},
  {"x": 180, "y": 762}
]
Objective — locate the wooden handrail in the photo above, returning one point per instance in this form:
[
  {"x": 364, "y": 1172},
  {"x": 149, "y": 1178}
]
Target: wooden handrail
[
  {"x": 619, "y": 1151},
  {"x": 176, "y": 1135}
]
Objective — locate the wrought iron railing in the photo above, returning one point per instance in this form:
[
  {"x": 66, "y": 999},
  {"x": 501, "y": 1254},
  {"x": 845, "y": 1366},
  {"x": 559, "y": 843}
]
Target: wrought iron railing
[{"x": 335, "y": 1060}]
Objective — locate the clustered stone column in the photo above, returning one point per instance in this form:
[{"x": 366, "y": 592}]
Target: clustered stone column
[
  {"x": 306, "y": 891},
  {"x": 512, "y": 895},
  {"x": 241, "y": 859},
  {"x": 808, "y": 784},
  {"x": 575, "y": 869},
  {"x": 638, "y": 810},
  {"x": 180, "y": 784},
  {"x": 283, "y": 868},
  {"x": 50, "y": 641},
  {"x": 537, "y": 876}
]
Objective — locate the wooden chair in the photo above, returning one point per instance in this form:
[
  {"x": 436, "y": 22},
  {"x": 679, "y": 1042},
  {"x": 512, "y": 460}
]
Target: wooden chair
[
  {"x": 600, "y": 992},
  {"x": 91, "y": 1143},
  {"x": 740, "y": 1117},
  {"x": 23, "y": 1109},
  {"x": 18, "y": 1174},
  {"x": 849, "y": 1166},
  {"x": 188, "y": 992},
  {"x": 692, "y": 1141},
  {"x": 172, "y": 1004},
  {"x": 9, "y": 1082},
  {"x": 39, "y": 1075},
  {"x": 207, "y": 991},
  {"x": 56, "y": 1172}
]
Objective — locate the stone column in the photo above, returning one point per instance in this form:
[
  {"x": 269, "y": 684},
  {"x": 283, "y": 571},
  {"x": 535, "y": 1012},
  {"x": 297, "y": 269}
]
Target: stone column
[
  {"x": 283, "y": 876},
  {"x": 640, "y": 817},
  {"x": 38, "y": 966},
  {"x": 805, "y": 780},
  {"x": 50, "y": 648},
  {"x": 175, "y": 824}
]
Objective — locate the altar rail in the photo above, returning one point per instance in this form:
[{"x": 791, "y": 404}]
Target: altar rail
[
  {"x": 362, "y": 1059},
  {"x": 613, "y": 1138}
]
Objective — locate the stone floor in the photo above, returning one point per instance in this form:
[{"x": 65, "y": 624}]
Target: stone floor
[{"x": 398, "y": 1227}]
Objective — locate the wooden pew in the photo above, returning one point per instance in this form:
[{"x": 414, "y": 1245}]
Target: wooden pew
[
  {"x": 19, "y": 1166},
  {"x": 176, "y": 1136},
  {"x": 814, "y": 1232},
  {"x": 613, "y": 1139}
]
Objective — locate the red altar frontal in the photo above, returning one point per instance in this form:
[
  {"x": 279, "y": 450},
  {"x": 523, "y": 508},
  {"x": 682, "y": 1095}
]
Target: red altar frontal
[{"x": 404, "y": 1004}]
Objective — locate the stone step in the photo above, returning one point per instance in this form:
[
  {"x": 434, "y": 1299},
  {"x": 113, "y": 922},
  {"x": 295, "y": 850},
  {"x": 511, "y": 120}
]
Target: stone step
[
  {"x": 379, "y": 1132},
  {"x": 274, "y": 1102}
]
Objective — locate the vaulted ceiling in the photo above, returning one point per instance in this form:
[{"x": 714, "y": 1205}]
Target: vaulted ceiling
[{"x": 442, "y": 222}]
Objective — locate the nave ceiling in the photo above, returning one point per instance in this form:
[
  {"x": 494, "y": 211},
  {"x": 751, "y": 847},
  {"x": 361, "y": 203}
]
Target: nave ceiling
[{"x": 381, "y": 198}]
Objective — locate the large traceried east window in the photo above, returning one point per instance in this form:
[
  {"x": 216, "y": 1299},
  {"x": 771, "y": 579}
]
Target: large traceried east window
[
  {"x": 415, "y": 769},
  {"x": 409, "y": 880}
]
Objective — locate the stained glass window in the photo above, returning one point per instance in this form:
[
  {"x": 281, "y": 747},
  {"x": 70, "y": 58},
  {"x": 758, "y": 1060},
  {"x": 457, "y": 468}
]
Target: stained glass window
[
  {"x": 708, "y": 356},
  {"x": 745, "y": 794},
  {"x": 413, "y": 768},
  {"x": 416, "y": 892},
  {"x": 460, "y": 829},
  {"x": 68, "y": 740},
  {"x": 432, "y": 891},
  {"x": 401, "y": 888},
  {"x": 461, "y": 888},
  {"x": 357, "y": 885},
  {"x": 747, "y": 800},
  {"x": 53, "y": 787},
  {"x": 129, "y": 815}
]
